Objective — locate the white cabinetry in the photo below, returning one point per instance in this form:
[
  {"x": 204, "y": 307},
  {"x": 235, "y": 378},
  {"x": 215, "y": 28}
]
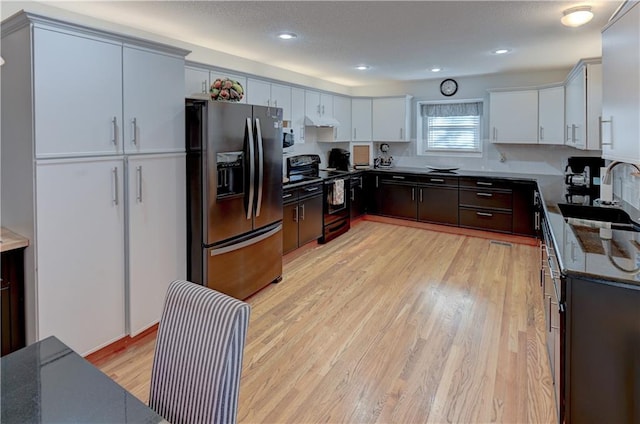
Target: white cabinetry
[
  {"x": 266, "y": 94},
  {"x": 80, "y": 240},
  {"x": 391, "y": 118},
  {"x": 318, "y": 105},
  {"x": 153, "y": 93},
  {"x": 513, "y": 116},
  {"x": 71, "y": 199},
  {"x": 156, "y": 199},
  {"x": 551, "y": 115},
  {"x": 72, "y": 75},
  {"x": 621, "y": 87},
  {"x": 361, "y": 119},
  {"x": 583, "y": 105},
  {"x": 196, "y": 81},
  {"x": 297, "y": 114},
  {"x": 342, "y": 113}
]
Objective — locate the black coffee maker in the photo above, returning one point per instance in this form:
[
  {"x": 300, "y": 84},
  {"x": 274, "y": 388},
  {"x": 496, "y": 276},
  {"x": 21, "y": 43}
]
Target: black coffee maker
[
  {"x": 582, "y": 179},
  {"x": 339, "y": 159}
]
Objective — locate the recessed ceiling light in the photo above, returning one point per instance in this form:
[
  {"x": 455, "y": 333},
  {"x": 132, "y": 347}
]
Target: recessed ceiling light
[
  {"x": 436, "y": 69},
  {"x": 287, "y": 36},
  {"x": 500, "y": 51},
  {"x": 363, "y": 67},
  {"x": 576, "y": 16}
]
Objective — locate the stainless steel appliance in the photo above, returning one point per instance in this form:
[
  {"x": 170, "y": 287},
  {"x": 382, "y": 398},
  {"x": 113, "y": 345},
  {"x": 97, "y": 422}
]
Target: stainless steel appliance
[
  {"x": 234, "y": 196},
  {"x": 582, "y": 179}
]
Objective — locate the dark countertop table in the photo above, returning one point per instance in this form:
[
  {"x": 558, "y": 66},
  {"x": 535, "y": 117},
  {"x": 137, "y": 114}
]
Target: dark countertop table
[{"x": 47, "y": 382}]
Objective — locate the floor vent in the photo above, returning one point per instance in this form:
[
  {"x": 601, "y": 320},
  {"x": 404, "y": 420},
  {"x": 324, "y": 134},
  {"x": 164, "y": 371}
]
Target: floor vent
[{"x": 501, "y": 243}]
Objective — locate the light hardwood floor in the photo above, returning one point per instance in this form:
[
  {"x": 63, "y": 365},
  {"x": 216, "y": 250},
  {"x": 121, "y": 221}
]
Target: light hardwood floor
[{"x": 390, "y": 324}]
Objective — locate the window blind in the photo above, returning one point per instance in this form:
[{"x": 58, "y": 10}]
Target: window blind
[{"x": 452, "y": 126}]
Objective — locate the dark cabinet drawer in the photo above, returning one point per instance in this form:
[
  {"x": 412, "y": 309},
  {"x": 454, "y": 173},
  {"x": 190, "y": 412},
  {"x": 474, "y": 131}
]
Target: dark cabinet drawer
[
  {"x": 490, "y": 199},
  {"x": 439, "y": 180},
  {"x": 485, "y": 183},
  {"x": 485, "y": 219},
  {"x": 309, "y": 191}
]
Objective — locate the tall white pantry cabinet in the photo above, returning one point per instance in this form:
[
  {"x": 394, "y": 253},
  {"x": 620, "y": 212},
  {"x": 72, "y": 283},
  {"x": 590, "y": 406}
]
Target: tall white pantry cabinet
[{"x": 93, "y": 173}]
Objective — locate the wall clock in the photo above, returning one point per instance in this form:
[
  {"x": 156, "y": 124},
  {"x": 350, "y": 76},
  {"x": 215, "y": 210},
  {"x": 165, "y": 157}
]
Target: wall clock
[{"x": 448, "y": 87}]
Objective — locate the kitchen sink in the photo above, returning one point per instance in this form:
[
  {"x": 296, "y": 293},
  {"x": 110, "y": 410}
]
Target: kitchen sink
[{"x": 617, "y": 217}]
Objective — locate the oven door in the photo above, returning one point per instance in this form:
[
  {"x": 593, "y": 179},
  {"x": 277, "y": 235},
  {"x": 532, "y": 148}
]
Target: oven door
[{"x": 335, "y": 196}]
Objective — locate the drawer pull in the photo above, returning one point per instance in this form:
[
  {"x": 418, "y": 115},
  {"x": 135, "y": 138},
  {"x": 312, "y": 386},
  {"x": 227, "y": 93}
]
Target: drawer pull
[
  {"x": 310, "y": 189},
  {"x": 287, "y": 195},
  {"x": 436, "y": 180},
  {"x": 397, "y": 177},
  {"x": 485, "y": 214},
  {"x": 483, "y": 183},
  {"x": 484, "y": 194}
]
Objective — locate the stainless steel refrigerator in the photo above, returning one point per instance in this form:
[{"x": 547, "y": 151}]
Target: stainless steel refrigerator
[{"x": 234, "y": 196}]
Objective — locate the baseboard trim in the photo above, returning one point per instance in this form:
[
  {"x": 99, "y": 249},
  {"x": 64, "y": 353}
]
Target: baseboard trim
[{"x": 120, "y": 345}]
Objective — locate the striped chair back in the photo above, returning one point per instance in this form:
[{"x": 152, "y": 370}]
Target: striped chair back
[{"x": 198, "y": 356}]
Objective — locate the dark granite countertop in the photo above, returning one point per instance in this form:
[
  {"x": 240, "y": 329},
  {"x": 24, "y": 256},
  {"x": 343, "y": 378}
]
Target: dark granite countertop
[
  {"x": 47, "y": 382},
  {"x": 587, "y": 253}
]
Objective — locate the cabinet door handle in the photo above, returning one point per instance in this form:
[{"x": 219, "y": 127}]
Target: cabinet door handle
[
  {"x": 323, "y": 109},
  {"x": 354, "y": 134},
  {"x": 295, "y": 214},
  {"x": 397, "y": 177},
  {"x": 537, "y": 221},
  {"x": 139, "y": 175},
  {"x": 485, "y": 214},
  {"x": 319, "y": 113},
  {"x": 541, "y": 132},
  {"x": 484, "y": 194},
  {"x": 566, "y": 134},
  {"x": 353, "y": 194},
  {"x": 413, "y": 194},
  {"x": 601, "y": 123},
  {"x": 421, "y": 197},
  {"x": 204, "y": 86},
  {"x": 114, "y": 131},
  {"x": 377, "y": 182},
  {"x": 483, "y": 183},
  {"x": 134, "y": 137},
  {"x": 495, "y": 134},
  {"x": 401, "y": 138},
  {"x": 436, "y": 180},
  {"x": 302, "y": 212},
  {"x": 114, "y": 182}
]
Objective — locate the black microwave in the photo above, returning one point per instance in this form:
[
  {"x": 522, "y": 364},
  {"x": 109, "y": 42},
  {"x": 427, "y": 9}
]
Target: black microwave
[{"x": 287, "y": 139}]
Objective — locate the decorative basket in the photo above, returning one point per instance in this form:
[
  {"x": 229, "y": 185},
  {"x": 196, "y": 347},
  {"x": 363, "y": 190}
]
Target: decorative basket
[{"x": 225, "y": 89}]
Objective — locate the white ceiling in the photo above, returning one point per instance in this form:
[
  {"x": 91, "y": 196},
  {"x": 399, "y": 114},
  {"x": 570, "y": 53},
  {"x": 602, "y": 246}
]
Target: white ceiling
[{"x": 400, "y": 40}]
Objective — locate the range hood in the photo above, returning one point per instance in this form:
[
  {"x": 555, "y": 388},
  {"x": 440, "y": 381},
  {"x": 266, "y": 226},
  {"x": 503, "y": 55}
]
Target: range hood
[{"x": 320, "y": 121}]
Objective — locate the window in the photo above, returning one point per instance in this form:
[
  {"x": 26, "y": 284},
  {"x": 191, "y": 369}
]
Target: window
[{"x": 449, "y": 127}]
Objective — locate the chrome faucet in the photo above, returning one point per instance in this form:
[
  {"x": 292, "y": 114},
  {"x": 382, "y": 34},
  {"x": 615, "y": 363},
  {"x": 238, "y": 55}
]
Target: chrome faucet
[{"x": 606, "y": 190}]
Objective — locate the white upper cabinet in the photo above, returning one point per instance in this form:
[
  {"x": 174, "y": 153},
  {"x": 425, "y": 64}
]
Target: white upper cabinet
[
  {"x": 297, "y": 114},
  {"x": 551, "y": 115},
  {"x": 72, "y": 76},
  {"x": 263, "y": 93},
  {"x": 513, "y": 116},
  {"x": 281, "y": 97},
  {"x": 196, "y": 81},
  {"x": 583, "y": 105},
  {"x": 258, "y": 92},
  {"x": 621, "y": 87},
  {"x": 342, "y": 113},
  {"x": 318, "y": 106},
  {"x": 391, "y": 118},
  {"x": 361, "y": 119},
  {"x": 153, "y": 101}
]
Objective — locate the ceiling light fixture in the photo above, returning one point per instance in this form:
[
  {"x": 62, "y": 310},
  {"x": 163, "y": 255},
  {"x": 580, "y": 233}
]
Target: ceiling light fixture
[
  {"x": 436, "y": 69},
  {"x": 576, "y": 16},
  {"x": 362, "y": 67},
  {"x": 287, "y": 36},
  {"x": 501, "y": 51}
]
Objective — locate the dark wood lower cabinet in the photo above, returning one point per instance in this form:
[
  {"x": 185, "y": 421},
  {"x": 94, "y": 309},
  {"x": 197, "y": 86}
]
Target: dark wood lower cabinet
[
  {"x": 602, "y": 354},
  {"x": 438, "y": 205},
  {"x": 12, "y": 299},
  {"x": 301, "y": 216},
  {"x": 358, "y": 196},
  {"x": 397, "y": 199}
]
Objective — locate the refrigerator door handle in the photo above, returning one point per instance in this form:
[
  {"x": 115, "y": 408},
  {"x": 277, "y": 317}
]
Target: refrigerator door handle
[
  {"x": 243, "y": 244},
  {"x": 252, "y": 168},
  {"x": 260, "y": 167}
]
